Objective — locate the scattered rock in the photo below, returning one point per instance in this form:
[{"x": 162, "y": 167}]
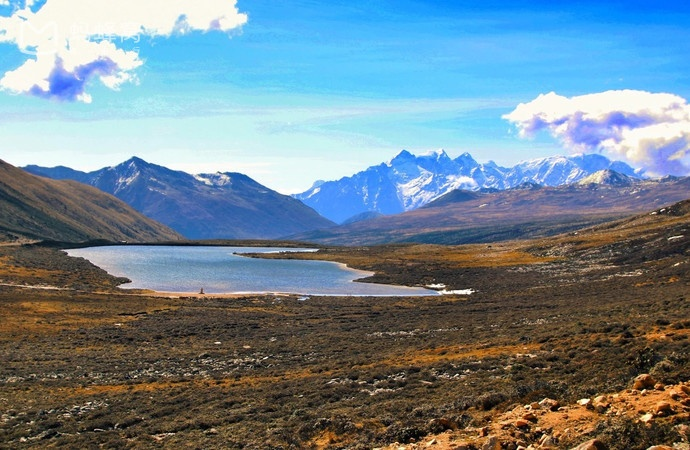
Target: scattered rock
[
  {"x": 492, "y": 444},
  {"x": 529, "y": 416},
  {"x": 522, "y": 423},
  {"x": 644, "y": 381},
  {"x": 551, "y": 404},
  {"x": 663, "y": 409},
  {"x": 601, "y": 404},
  {"x": 678, "y": 393},
  {"x": 547, "y": 442},
  {"x": 647, "y": 418},
  {"x": 586, "y": 402},
  {"x": 48, "y": 434},
  {"x": 534, "y": 427},
  {"x": 594, "y": 444},
  {"x": 440, "y": 425}
]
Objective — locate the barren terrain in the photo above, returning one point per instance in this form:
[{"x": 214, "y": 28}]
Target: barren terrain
[{"x": 574, "y": 317}]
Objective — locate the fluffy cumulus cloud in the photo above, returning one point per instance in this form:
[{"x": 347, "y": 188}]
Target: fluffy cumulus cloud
[
  {"x": 69, "y": 43},
  {"x": 649, "y": 130}
]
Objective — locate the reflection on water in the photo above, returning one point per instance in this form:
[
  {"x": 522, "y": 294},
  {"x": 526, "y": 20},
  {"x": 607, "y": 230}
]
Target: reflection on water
[{"x": 221, "y": 270}]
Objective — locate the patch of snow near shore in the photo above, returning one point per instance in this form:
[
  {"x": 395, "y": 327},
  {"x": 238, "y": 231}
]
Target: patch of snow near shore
[
  {"x": 441, "y": 288},
  {"x": 457, "y": 292}
]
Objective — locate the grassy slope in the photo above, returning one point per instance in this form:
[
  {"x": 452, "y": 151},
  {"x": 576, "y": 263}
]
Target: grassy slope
[{"x": 38, "y": 208}]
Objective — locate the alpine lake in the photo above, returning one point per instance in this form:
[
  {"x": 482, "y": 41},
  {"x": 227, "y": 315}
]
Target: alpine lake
[{"x": 224, "y": 270}]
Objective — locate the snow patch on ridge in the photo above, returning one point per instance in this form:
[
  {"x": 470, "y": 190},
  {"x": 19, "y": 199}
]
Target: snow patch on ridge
[
  {"x": 125, "y": 181},
  {"x": 217, "y": 179}
]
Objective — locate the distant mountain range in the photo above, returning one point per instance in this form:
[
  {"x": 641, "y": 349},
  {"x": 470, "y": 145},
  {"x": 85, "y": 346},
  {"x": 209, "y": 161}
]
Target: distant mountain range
[
  {"x": 204, "y": 206},
  {"x": 430, "y": 198},
  {"x": 408, "y": 182},
  {"x": 36, "y": 208},
  {"x": 525, "y": 211}
]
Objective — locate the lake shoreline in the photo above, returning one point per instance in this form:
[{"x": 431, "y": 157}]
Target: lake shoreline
[{"x": 186, "y": 271}]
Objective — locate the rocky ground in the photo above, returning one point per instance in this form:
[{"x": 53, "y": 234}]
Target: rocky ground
[
  {"x": 547, "y": 423},
  {"x": 543, "y": 354}
]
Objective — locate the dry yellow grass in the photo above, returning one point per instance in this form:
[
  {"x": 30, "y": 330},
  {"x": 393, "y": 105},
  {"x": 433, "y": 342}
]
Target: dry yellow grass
[
  {"x": 457, "y": 353},
  {"x": 50, "y": 317},
  {"x": 475, "y": 256},
  {"x": 505, "y": 255},
  {"x": 9, "y": 269}
]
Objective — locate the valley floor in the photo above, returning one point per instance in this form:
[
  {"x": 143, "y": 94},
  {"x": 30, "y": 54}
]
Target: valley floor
[{"x": 92, "y": 366}]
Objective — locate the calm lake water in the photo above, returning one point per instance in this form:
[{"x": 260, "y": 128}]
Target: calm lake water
[{"x": 221, "y": 270}]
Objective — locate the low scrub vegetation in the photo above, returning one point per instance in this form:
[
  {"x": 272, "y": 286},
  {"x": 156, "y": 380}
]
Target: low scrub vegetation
[{"x": 88, "y": 365}]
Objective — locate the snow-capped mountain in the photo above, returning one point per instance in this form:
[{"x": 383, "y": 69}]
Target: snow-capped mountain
[
  {"x": 559, "y": 170},
  {"x": 607, "y": 177},
  {"x": 204, "y": 206},
  {"x": 404, "y": 183},
  {"x": 407, "y": 181}
]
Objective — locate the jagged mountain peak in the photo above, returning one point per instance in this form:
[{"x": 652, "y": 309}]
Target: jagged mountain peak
[
  {"x": 127, "y": 171},
  {"x": 407, "y": 181},
  {"x": 36, "y": 207},
  {"x": 466, "y": 160},
  {"x": 401, "y": 158},
  {"x": 134, "y": 160},
  {"x": 436, "y": 160},
  {"x": 206, "y": 206},
  {"x": 137, "y": 164},
  {"x": 135, "y": 174},
  {"x": 132, "y": 164},
  {"x": 435, "y": 154},
  {"x": 405, "y": 156},
  {"x": 317, "y": 183}
]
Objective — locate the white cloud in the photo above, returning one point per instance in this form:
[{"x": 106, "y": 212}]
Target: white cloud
[
  {"x": 650, "y": 130},
  {"x": 70, "y": 42}
]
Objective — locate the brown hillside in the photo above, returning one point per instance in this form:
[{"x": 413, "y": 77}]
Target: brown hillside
[
  {"x": 35, "y": 208},
  {"x": 575, "y": 319},
  {"x": 527, "y": 212}
]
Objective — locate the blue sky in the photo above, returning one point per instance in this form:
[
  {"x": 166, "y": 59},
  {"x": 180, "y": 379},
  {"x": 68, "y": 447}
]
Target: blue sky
[{"x": 300, "y": 90}]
